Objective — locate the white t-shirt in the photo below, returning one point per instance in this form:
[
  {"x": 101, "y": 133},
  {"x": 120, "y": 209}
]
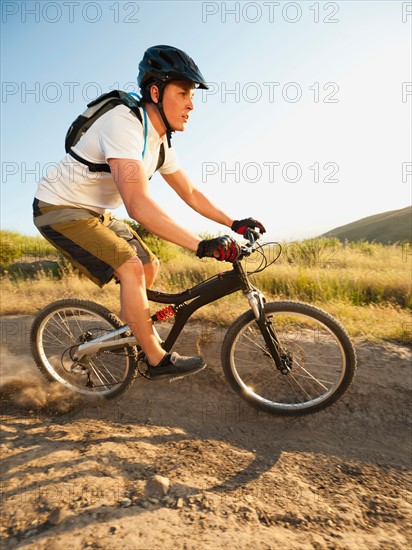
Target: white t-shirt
[{"x": 116, "y": 134}]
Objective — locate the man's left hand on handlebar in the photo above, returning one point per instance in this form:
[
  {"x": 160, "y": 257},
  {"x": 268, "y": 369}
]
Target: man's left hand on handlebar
[
  {"x": 224, "y": 249},
  {"x": 241, "y": 226}
]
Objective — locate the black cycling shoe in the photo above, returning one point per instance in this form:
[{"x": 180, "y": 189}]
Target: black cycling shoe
[{"x": 175, "y": 366}]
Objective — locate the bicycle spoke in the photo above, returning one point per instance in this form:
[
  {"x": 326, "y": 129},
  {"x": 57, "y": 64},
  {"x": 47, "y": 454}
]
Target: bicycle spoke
[
  {"x": 65, "y": 325},
  {"x": 255, "y": 344},
  {"x": 96, "y": 373},
  {"x": 53, "y": 336},
  {"x": 293, "y": 377},
  {"x": 310, "y": 376},
  {"x": 76, "y": 320},
  {"x": 102, "y": 367}
]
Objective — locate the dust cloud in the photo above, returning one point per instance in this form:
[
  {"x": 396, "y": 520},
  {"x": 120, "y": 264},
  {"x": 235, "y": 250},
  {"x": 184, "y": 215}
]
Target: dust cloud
[{"x": 22, "y": 387}]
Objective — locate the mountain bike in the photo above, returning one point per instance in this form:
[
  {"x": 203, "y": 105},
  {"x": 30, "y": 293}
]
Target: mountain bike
[{"x": 282, "y": 357}]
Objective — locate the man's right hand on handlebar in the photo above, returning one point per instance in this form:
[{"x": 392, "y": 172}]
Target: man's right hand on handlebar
[{"x": 224, "y": 249}]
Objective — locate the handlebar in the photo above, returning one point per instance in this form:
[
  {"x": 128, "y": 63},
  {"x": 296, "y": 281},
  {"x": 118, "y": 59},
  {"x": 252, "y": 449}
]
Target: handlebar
[
  {"x": 265, "y": 251},
  {"x": 251, "y": 236}
]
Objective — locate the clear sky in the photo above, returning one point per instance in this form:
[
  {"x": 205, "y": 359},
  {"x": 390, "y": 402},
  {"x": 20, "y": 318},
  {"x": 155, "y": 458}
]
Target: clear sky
[{"x": 306, "y": 126}]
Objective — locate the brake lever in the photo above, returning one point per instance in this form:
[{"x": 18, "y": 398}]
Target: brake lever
[{"x": 251, "y": 235}]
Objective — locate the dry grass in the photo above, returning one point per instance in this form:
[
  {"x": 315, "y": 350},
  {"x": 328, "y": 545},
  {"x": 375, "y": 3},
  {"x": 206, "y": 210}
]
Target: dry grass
[
  {"x": 30, "y": 295},
  {"x": 367, "y": 287}
]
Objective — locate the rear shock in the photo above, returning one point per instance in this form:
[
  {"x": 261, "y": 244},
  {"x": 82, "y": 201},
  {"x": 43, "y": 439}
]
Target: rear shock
[{"x": 164, "y": 313}]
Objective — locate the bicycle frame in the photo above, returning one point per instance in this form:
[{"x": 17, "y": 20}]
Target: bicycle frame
[
  {"x": 213, "y": 289},
  {"x": 208, "y": 291},
  {"x": 204, "y": 293}
]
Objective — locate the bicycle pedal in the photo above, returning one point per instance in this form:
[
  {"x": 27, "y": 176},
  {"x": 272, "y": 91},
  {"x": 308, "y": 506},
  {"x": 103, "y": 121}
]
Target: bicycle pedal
[{"x": 143, "y": 369}]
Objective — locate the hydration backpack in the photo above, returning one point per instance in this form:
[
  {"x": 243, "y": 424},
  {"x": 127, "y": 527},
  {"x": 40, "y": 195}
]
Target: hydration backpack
[{"x": 95, "y": 109}]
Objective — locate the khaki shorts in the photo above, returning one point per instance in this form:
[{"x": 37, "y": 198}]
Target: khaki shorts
[{"x": 96, "y": 244}]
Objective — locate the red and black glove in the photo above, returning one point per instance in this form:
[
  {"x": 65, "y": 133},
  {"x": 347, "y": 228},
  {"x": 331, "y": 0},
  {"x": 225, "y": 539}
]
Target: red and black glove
[
  {"x": 224, "y": 249},
  {"x": 240, "y": 226}
]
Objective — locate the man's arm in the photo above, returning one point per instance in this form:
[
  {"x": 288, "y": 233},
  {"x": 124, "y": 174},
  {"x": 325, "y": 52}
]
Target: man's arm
[
  {"x": 131, "y": 179},
  {"x": 182, "y": 185}
]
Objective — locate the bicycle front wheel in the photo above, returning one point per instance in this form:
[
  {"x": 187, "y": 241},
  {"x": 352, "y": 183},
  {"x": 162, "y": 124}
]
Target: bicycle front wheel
[
  {"x": 57, "y": 331},
  {"x": 319, "y": 354}
]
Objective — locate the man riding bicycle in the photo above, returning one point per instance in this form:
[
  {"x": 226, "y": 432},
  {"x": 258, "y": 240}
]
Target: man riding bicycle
[{"x": 73, "y": 210}]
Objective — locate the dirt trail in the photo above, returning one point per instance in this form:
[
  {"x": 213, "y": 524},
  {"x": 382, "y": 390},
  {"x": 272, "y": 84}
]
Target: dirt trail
[{"x": 238, "y": 479}]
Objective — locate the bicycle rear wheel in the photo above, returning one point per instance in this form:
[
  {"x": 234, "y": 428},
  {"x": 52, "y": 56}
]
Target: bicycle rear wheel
[
  {"x": 57, "y": 331},
  {"x": 316, "y": 348}
]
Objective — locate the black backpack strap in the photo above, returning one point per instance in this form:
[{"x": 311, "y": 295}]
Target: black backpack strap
[
  {"x": 80, "y": 121},
  {"x": 161, "y": 159},
  {"x": 117, "y": 98},
  {"x": 136, "y": 111},
  {"x": 93, "y": 167},
  {"x": 106, "y": 168},
  {"x": 83, "y": 123},
  {"x": 115, "y": 94}
]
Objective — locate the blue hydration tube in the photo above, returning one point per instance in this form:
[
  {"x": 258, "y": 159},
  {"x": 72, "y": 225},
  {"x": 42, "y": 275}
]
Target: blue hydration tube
[
  {"x": 145, "y": 125},
  {"x": 145, "y": 132}
]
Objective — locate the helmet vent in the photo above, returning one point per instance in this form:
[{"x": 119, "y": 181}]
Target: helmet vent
[
  {"x": 165, "y": 63},
  {"x": 167, "y": 58}
]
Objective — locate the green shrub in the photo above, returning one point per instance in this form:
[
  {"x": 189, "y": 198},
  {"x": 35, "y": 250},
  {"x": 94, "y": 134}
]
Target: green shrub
[
  {"x": 14, "y": 246},
  {"x": 9, "y": 248}
]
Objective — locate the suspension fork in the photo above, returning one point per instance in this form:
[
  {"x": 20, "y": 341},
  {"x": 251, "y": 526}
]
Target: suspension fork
[
  {"x": 281, "y": 359},
  {"x": 257, "y": 304}
]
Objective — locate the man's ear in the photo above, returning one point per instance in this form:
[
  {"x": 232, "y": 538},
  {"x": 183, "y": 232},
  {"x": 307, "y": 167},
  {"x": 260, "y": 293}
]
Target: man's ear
[{"x": 154, "y": 93}]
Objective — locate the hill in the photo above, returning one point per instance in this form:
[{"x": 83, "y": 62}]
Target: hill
[{"x": 388, "y": 227}]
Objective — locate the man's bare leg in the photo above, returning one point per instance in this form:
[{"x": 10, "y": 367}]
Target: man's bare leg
[
  {"x": 135, "y": 308},
  {"x": 151, "y": 270},
  {"x": 136, "y": 313}
]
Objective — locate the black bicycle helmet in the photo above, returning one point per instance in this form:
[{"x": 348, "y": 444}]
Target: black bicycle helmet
[
  {"x": 159, "y": 66},
  {"x": 166, "y": 63}
]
